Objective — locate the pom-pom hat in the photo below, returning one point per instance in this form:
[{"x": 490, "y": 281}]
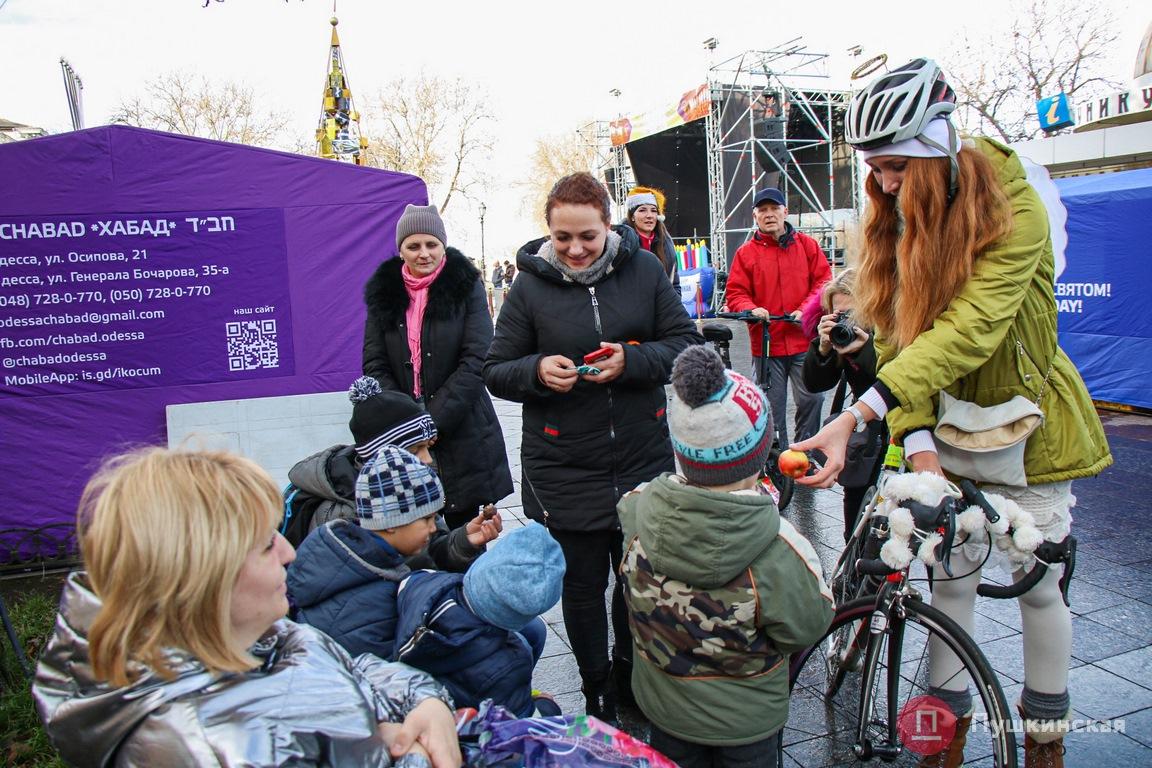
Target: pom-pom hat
[
  {"x": 720, "y": 421},
  {"x": 385, "y": 418}
]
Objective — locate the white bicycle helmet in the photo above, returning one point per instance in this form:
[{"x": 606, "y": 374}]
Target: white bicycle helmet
[{"x": 898, "y": 105}]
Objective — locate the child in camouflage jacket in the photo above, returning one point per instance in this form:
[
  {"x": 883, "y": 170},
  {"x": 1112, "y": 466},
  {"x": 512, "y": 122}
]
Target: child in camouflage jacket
[{"x": 719, "y": 588}]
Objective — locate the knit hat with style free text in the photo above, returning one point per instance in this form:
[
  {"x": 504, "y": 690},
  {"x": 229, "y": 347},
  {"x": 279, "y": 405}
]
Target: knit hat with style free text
[
  {"x": 517, "y": 579},
  {"x": 720, "y": 422},
  {"x": 420, "y": 220},
  {"x": 395, "y": 488},
  {"x": 385, "y": 418}
]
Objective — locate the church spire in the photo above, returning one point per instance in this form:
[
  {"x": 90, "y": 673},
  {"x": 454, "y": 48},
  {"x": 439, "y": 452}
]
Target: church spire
[{"x": 338, "y": 135}]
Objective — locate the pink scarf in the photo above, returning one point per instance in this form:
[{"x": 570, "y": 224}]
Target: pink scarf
[{"x": 417, "y": 288}]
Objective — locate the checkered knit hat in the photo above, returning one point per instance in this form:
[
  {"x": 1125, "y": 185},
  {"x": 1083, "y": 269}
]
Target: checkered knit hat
[
  {"x": 395, "y": 488},
  {"x": 385, "y": 418},
  {"x": 720, "y": 421}
]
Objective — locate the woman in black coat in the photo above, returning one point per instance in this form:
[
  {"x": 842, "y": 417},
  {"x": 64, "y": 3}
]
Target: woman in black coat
[
  {"x": 589, "y": 435},
  {"x": 427, "y": 332}
]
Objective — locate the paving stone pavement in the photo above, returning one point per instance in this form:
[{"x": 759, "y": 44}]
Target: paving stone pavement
[{"x": 1111, "y": 594}]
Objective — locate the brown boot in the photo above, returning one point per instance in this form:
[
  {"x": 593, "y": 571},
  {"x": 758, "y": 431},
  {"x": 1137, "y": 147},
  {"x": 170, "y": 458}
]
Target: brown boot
[
  {"x": 1044, "y": 741},
  {"x": 1048, "y": 754},
  {"x": 951, "y": 756}
]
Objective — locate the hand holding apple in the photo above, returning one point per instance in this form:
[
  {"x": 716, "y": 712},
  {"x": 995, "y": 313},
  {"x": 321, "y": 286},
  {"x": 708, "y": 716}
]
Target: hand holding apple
[{"x": 793, "y": 463}]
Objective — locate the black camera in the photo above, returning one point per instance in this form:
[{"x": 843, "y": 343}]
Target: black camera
[{"x": 844, "y": 332}]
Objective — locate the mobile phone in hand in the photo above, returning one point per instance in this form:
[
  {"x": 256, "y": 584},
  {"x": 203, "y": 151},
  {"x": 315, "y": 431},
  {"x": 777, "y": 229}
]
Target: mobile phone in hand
[{"x": 599, "y": 354}]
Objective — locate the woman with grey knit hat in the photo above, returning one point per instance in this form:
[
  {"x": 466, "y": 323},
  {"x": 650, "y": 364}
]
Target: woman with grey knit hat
[{"x": 427, "y": 333}]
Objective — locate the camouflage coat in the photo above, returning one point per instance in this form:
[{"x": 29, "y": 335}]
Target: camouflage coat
[{"x": 720, "y": 590}]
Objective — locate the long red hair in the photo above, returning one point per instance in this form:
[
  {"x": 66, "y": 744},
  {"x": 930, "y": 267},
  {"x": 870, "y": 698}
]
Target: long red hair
[{"x": 908, "y": 278}]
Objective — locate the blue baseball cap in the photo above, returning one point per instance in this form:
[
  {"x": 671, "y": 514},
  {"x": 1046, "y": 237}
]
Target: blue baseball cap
[{"x": 769, "y": 195}]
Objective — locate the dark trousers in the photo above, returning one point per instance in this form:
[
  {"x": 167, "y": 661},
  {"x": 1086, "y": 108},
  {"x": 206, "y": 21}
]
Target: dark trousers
[
  {"x": 760, "y": 754},
  {"x": 782, "y": 371},
  {"x": 589, "y": 559}
]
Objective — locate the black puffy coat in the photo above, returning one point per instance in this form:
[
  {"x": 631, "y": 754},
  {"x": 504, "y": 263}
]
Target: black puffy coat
[
  {"x": 583, "y": 449},
  {"x": 469, "y": 451}
]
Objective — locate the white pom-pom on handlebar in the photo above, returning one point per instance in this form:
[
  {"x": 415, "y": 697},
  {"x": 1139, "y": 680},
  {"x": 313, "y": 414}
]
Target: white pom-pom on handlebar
[
  {"x": 971, "y": 520},
  {"x": 927, "y": 551},
  {"x": 1027, "y": 538},
  {"x": 896, "y": 554},
  {"x": 900, "y": 523}
]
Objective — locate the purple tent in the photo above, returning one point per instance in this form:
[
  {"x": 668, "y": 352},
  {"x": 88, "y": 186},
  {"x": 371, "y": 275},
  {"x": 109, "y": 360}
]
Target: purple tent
[{"x": 141, "y": 269}]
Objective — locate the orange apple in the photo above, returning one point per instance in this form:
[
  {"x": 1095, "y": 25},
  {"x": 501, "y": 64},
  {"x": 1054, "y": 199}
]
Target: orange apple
[{"x": 793, "y": 463}]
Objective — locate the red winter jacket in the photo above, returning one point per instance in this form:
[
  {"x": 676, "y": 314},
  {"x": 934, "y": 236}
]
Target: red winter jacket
[{"x": 778, "y": 275}]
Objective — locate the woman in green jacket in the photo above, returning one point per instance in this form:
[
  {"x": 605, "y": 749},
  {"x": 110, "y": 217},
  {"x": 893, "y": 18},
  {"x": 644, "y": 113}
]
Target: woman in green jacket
[{"x": 956, "y": 275}]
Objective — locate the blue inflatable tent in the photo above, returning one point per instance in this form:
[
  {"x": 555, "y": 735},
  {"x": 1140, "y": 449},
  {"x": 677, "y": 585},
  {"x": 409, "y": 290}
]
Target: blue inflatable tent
[{"x": 1104, "y": 292}]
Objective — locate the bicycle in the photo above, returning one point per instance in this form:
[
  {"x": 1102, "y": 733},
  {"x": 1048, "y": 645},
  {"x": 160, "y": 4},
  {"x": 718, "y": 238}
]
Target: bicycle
[
  {"x": 720, "y": 337},
  {"x": 861, "y": 692}
]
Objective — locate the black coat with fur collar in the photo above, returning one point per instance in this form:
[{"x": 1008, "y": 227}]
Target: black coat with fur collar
[{"x": 469, "y": 451}]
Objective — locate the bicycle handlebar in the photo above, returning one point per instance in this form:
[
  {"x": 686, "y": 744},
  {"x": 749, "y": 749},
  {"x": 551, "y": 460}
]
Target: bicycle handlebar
[
  {"x": 1047, "y": 554},
  {"x": 747, "y": 316}
]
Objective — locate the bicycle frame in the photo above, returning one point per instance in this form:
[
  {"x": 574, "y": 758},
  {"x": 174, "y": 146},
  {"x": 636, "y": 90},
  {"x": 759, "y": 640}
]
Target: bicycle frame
[{"x": 887, "y": 618}]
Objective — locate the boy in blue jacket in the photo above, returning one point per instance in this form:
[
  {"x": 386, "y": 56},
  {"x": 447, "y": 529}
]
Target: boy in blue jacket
[
  {"x": 467, "y": 630},
  {"x": 347, "y": 573}
]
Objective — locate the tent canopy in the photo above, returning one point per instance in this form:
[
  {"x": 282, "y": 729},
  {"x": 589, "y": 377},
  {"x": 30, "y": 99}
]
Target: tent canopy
[{"x": 141, "y": 269}]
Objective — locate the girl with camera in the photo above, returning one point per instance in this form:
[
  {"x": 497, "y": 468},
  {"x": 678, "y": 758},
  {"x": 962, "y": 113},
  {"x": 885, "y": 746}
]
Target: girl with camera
[{"x": 843, "y": 356}]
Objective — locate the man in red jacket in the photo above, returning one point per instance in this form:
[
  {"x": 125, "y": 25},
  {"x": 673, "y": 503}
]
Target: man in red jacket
[{"x": 775, "y": 273}]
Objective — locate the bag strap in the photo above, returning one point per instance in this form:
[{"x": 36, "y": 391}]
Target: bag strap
[{"x": 840, "y": 396}]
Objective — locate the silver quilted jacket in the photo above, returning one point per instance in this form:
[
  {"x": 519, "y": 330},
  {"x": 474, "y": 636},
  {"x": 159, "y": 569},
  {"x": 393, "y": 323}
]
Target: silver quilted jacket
[{"x": 308, "y": 704}]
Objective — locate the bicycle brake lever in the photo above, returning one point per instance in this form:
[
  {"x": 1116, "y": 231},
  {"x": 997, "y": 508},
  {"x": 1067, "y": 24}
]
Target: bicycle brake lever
[{"x": 936, "y": 519}]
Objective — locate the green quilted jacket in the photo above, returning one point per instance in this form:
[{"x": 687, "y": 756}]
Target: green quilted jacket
[{"x": 997, "y": 339}]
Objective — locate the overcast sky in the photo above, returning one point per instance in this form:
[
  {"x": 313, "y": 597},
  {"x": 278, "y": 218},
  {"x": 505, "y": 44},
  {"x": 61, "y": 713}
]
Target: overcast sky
[{"x": 548, "y": 66}]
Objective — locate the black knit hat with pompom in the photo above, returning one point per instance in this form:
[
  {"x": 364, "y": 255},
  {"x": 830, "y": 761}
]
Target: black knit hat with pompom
[
  {"x": 382, "y": 418},
  {"x": 720, "y": 421}
]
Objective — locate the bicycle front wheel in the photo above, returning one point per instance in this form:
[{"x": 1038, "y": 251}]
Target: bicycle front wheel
[{"x": 830, "y": 679}]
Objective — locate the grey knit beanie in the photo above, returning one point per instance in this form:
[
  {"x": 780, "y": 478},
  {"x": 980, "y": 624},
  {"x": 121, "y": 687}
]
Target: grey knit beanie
[
  {"x": 395, "y": 488},
  {"x": 720, "y": 421},
  {"x": 420, "y": 220}
]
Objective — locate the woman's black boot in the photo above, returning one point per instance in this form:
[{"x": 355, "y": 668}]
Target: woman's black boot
[{"x": 600, "y": 700}]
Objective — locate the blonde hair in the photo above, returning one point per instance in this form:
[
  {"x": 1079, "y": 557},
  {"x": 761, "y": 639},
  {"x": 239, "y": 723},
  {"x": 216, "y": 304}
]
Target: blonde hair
[
  {"x": 907, "y": 278},
  {"x": 842, "y": 283},
  {"x": 164, "y": 534}
]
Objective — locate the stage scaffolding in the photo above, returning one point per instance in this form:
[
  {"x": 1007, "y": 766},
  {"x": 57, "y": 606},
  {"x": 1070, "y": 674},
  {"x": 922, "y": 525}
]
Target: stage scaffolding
[
  {"x": 609, "y": 163},
  {"x": 773, "y": 119}
]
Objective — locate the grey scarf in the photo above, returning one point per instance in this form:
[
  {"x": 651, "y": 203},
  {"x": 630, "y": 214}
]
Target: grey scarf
[{"x": 593, "y": 273}]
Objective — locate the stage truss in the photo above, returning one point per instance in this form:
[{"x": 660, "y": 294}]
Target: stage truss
[
  {"x": 735, "y": 135},
  {"x": 609, "y": 163}
]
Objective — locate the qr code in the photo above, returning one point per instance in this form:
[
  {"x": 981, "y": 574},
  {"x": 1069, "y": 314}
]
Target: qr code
[{"x": 252, "y": 344}]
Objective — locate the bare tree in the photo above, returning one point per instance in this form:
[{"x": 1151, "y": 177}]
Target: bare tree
[
  {"x": 432, "y": 127},
  {"x": 1050, "y": 46},
  {"x": 553, "y": 157},
  {"x": 194, "y": 106}
]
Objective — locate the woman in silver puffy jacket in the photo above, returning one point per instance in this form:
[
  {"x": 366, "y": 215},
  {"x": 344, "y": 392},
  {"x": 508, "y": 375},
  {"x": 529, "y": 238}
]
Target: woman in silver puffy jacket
[{"x": 172, "y": 648}]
